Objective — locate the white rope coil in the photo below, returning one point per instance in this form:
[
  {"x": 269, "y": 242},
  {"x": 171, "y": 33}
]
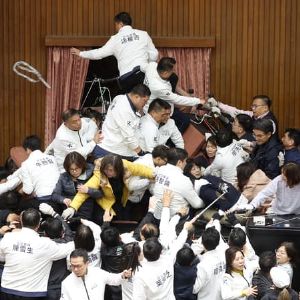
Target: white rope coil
[{"x": 24, "y": 66}]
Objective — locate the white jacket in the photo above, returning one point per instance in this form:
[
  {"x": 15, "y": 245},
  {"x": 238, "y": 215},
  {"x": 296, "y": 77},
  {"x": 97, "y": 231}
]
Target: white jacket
[
  {"x": 39, "y": 174},
  {"x": 170, "y": 131},
  {"x": 226, "y": 161},
  {"x": 67, "y": 140},
  {"x": 12, "y": 182},
  {"x": 154, "y": 280},
  {"x": 162, "y": 89},
  {"x": 28, "y": 260},
  {"x": 138, "y": 185},
  {"x": 209, "y": 275},
  {"x": 72, "y": 288},
  {"x": 120, "y": 128},
  {"x": 131, "y": 47},
  {"x": 171, "y": 177}
]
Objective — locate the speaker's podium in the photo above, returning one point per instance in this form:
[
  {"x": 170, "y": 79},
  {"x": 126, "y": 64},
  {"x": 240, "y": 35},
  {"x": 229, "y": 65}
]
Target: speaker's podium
[{"x": 268, "y": 232}]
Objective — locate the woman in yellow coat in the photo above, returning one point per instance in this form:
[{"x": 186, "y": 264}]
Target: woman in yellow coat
[{"x": 112, "y": 179}]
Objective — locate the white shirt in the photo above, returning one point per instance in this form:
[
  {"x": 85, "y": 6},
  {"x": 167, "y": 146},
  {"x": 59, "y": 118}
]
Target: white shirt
[
  {"x": 120, "y": 128},
  {"x": 154, "y": 280},
  {"x": 171, "y": 177},
  {"x": 39, "y": 174},
  {"x": 67, "y": 140},
  {"x": 287, "y": 200},
  {"x": 162, "y": 89},
  {"x": 131, "y": 47},
  {"x": 138, "y": 185},
  {"x": 28, "y": 260},
  {"x": 226, "y": 161},
  {"x": 72, "y": 288},
  {"x": 209, "y": 275}
]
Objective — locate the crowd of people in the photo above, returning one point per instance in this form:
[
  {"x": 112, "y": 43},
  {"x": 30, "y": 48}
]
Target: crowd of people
[{"x": 59, "y": 208}]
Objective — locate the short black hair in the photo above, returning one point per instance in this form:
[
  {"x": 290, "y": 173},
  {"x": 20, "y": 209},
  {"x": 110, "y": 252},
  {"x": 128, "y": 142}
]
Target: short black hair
[
  {"x": 53, "y": 228},
  {"x": 267, "y": 260},
  {"x": 30, "y": 218},
  {"x": 80, "y": 253},
  {"x": 237, "y": 238},
  {"x": 69, "y": 113},
  {"x": 158, "y": 105},
  {"x": 264, "y": 125},
  {"x": 185, "y": 256},
  {"x": 294, "y": 134},
  {"x": 110, "y": 236},
  {"x": 176, "y": 154},
  {"x": 210, "y": 238},
  {"x": 123, "y": 17},
  {"x": 32, "y": 142},
  {"x": 160, "y": 151},
  {"x": 74, "y": 158},
  {"x": 267, "y": 101},
  {"x": 166, "y": 64},
  {"x": 245, "y": 121},
  {"x": 84, "y": 238},
  {"x": 152, "y": 249},
  {"x": 224, "y": 138},
  {"x": 141, "y": 90}
]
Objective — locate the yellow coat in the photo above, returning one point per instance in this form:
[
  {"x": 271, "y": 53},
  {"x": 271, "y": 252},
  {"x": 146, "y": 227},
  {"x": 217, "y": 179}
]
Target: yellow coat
[{"x": 99, "y": 180}]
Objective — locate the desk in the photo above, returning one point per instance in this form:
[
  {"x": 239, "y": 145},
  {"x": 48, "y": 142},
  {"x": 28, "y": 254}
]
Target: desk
[{"x": 278, "y": 229}]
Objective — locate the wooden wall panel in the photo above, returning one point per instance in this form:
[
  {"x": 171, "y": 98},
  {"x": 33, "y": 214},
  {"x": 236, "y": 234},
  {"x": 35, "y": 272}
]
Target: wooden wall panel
[{"x": 257, "y": 43}]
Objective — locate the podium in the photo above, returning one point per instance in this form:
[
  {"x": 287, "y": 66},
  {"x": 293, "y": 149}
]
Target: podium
[{"x": 269, "y": 236}]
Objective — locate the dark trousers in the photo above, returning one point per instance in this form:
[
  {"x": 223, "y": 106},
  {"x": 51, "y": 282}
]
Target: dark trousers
[{"x": 5, "y": 296}]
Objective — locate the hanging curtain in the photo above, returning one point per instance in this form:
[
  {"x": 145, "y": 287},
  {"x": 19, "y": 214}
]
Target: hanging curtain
[
  {"x": 66, "y": 74},
  {"x": 192, "y": 67}
]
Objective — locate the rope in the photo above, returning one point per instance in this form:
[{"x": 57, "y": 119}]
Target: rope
[{"x": 24, "y": 66}]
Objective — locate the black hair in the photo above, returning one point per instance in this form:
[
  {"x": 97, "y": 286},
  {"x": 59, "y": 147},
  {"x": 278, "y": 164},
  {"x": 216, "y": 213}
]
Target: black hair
[
  {"x": 245, "y": 121},
  {"x": 32, "y": 142},
  {"x": 191, "y": 231},
  {"x": 158, "y": 105},
  {"x": 224, "y": 138},
  {"x": 69, "y": 113},
  {"x": 74, "y": 158},
  {"x": 166, "y": 64},
  {"x": 84, "y": 238},
  {"x": 291, "y": 251},
  {"x": 237, "y": 238},
  {"x": 267, "y": 260},
  {"x": 152, "y": 249},
  {"x": 116, "y": 162},
  {"x": 230, "y": 254},
  {"x": 176, "y": 154},
  {"x": 267, "y": 101},
  {"x": 123, "y": 17},
  {"x": 149, "y": 230},
  {"x": 160, "y": 151},
  {"x": 10, "y": 200},
  {"x": 53, "y": 228},
  {"x": 243, "y": 173},
  {"x": 110, "y": 236},
  {"x": 80, "y": 253},
  {"x": 264, "y": 125},
  {"x": 92, "y": 113},
  {"x": 141, "y": 90},
  {"x": 3, "y": 173},
  {"x": 210, "y": 238},
  {"x": 185, "y": 256},
  {"x": 30, "y": 218},
  {"x": 10, "y": 166},
  {"x": 294, "y": 134}
]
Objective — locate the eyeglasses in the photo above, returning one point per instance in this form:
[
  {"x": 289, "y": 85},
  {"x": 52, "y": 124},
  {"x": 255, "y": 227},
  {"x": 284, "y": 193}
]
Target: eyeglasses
[{"x": 255, "y": 106}]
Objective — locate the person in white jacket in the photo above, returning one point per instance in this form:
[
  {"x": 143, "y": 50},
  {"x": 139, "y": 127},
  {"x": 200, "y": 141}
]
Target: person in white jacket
[
  {"x": 131, "y": 47},
  {"x": 88, "y": 282},
  {"x": 120, "y": 128},
  {"x": 28, "y": 258},
  {"x": 171, "y": 177},
  {"x": 156, "y": 78},
  {"x": 211, "y": 267},
  {"x": 72, "y": 135}
]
